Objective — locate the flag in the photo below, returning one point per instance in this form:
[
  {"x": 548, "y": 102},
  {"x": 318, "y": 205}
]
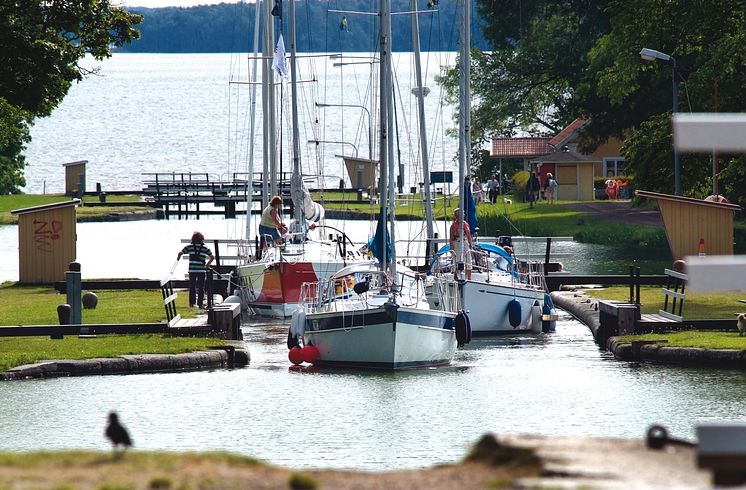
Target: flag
[
  {"x": 343, "y": 24},
  {"x": 279, "y": 61}
]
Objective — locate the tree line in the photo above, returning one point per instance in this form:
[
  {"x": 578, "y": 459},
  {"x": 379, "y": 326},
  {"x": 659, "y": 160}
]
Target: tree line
[{"x": 229, "y": 27}]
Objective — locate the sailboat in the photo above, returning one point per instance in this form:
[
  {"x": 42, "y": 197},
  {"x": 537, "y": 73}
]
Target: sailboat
[
  {"x": 376, "y": 314},
  {"x": 273, "y": 281},
  {"x": 498, "y": 295}
]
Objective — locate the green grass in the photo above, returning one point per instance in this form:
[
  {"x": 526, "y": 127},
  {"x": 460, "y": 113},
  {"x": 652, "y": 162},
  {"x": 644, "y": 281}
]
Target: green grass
[
  {"x": 20, "y": 201},
  {"x": 138, "y": 459},
  {"x": 37, "y": 305},
  {"x": 696, "y": 306},
  {"x": 694, "y": 338},
  {"x": 16, "y": 351}
]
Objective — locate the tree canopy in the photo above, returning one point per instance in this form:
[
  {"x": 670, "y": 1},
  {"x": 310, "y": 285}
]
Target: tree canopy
[
  {"x": 41, "y": 43},
  {"x": 552, "y": 62}
]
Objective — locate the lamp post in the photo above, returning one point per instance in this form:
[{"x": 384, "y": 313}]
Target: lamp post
[
  {"x": 370, "y": 123},
  {"x": 652, "y": 55}
]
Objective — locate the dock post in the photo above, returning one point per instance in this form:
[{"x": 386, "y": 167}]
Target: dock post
[
  {"x": 74, "y": 290},
  {"x": 547, "y": 255}
]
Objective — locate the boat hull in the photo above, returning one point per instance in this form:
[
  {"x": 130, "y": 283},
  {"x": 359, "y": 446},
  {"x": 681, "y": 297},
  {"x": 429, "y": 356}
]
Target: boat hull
[
  {"x": 388, "y": 338},
  {"x": 275, "y": 287},
  {"x": 487, "y": 306}
]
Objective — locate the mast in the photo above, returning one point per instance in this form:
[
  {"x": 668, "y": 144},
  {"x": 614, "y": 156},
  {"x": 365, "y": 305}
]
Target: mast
[
  {"x": 268, "y": 109},
  {"x": 423, "y": 137},
  {"x": 296, "y": 179},
  {"x": 250, "y": 188},
  {"x": 465, "y": 116},
  {"x": 384, "y": 41}
]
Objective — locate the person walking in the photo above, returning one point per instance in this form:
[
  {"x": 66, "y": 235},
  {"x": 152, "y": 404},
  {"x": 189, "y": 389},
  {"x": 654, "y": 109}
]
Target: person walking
[
  {"x": 477, "y": 190},
  {"x": 492, "y": 186},
  {"x": 532, "y": 189},
  {"x": 271, "y": 225},
  {"x": 200, "y": 258},
  {"x": 551, "y": 188}
]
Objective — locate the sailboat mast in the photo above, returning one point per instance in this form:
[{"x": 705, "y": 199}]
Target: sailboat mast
[
  {"x": 269, "y": 166},
  {"x": 423, "y": 136},
  {"x": 250, "y": 179},
  {"x": 465, "y": 117},
  {"x": 384, "y": 40},
  {"x": 294, "y": 106}
]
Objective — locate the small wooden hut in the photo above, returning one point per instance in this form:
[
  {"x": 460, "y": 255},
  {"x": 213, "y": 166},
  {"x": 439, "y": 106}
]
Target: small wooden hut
[
  {"x": 74, "y": 177},
  {"x": 46, "y": 241},
  {"x": 688, "y": 220}
]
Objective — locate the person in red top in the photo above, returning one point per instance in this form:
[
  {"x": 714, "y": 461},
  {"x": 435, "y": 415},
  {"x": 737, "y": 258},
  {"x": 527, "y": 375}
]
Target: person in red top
[{"x": 455, "y": 240}]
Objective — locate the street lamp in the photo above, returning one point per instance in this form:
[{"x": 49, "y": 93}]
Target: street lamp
[
  {"x": 652, "y": 55},
  {"x": 370, "y": 122}
]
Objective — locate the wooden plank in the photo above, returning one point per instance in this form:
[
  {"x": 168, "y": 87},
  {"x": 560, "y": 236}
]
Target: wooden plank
[
  {"x": 170, "y": 299},
  {"x": 174, "y": 321},
  {"x": 670, "y": 316},
  {"x": 678, "y": 275},
  {"x": 674, "y": 294}
]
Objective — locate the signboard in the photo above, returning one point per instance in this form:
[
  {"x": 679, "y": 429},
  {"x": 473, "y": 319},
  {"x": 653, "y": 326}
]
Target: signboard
[{"x": 445, "y": 177}]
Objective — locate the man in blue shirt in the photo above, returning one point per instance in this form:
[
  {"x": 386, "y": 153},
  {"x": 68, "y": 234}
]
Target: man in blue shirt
[{"x": 200, "y": 258}]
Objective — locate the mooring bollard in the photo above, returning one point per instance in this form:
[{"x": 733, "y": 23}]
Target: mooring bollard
[{"x": 74, "y": 290}]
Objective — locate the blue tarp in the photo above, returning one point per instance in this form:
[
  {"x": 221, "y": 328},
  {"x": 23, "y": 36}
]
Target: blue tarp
[
  {"x": 377, "y": 243},
  {"x": 486, "y": 247},
  {"x": 471, "y": 208}
]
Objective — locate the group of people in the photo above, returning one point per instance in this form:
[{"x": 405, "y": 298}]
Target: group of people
[
  {"x": 617, "y": 188},
  {"x": 533, "y": 188},
  {"x": 493, "y": 189}
]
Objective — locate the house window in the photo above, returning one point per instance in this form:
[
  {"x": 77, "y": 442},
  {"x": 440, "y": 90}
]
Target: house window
[{"x": 613, "y": 166}]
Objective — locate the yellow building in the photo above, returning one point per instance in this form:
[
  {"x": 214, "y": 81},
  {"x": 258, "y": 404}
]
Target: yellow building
[{"x": 46, "y": 241}]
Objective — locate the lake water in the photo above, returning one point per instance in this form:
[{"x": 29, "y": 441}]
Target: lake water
[{"x": 180, "y": 113}]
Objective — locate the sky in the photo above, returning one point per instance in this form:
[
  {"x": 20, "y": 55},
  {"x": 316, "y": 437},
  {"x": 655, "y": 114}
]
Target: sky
[{"x": 173, "y": 3}]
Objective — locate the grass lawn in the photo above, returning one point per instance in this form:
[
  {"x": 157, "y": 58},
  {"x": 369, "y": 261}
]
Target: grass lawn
[
  {"x": 37, "y": 305},
  {"x": 20, "y": 201},
  {"x": 694, "y": 338},
  {"x": 696, "y": 306},
  {"x": 16, "y": 351}
]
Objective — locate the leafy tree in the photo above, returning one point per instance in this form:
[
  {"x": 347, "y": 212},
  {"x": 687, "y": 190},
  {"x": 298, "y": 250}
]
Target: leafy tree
[
  {"x": 554, "y": 61},
  {"x": 41, "y": 44}
]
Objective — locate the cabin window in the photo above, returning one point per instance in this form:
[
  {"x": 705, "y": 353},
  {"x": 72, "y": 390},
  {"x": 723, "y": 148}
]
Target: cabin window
[{"x": 614, "y": 166}]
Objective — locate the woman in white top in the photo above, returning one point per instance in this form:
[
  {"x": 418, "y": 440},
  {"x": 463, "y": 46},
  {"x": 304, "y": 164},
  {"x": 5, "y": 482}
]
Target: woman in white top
[{"x": 271, "y": 224}]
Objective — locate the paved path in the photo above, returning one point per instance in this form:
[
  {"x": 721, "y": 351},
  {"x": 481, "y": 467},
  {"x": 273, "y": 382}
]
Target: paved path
[{"x": 619, "y": 211}]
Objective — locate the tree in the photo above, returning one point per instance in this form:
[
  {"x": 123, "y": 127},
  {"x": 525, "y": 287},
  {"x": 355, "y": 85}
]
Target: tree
[
  {"x": 41, "y": 43},
  {"x": 555, "y": 61}
]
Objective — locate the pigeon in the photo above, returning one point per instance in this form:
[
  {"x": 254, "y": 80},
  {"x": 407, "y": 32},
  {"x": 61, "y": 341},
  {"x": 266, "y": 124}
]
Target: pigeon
[{"x": 116, "y": 433}]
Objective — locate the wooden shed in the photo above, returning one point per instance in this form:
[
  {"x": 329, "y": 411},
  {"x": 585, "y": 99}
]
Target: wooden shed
[
  {"x": 687, "y": 220},
  {"x": 574, "y": 174},
  {"x": 362, "y": 172},
  {"x": 74, "y": 177},
  {"x": 46, "y": 241}
]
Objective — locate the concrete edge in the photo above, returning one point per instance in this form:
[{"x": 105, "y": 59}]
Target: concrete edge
[{"x": 222, "y": 357}]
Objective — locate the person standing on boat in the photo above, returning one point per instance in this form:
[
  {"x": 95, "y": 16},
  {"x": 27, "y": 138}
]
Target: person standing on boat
[
  {"x": 200, "y": 258},
  {"x": 271, "y": 224},
  {"x": 454, "y": 236}
]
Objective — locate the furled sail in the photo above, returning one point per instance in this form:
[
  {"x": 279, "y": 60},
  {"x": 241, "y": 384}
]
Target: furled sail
[{"x": 311, "y": 210}]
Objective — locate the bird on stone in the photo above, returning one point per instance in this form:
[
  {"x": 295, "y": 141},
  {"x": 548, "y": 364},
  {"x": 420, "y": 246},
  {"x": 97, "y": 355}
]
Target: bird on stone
[{"x": 116, "y": 433}]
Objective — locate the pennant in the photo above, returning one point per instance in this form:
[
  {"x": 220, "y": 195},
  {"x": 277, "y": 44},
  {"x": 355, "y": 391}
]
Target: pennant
[
  {"x": 278, "y": 63},
  {"x": 343, "y": 24}
]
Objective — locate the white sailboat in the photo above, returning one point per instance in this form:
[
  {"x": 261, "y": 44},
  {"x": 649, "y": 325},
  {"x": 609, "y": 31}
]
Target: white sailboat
[
  {"x": 273, "y": 282},
  {"x": 376, "y": 314},
  {"x": 498, "y": 297}
]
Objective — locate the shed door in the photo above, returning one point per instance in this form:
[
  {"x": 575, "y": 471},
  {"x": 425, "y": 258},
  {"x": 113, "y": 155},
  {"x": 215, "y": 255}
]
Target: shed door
[{"x": 567, "y": 182}]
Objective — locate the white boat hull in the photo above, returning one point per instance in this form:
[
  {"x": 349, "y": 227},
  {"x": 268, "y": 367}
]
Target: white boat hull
[
  {"x": 487, "y": 306},
  {"x": 382, "y": 338}
]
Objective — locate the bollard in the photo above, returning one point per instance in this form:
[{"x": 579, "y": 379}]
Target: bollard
[
  {"x": 74, "y": 290},
  {"x": 102, "y": 197},
  {"x": 63, "y": 314}
]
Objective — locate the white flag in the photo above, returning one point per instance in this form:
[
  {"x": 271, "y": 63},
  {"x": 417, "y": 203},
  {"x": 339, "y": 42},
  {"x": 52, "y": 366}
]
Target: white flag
[{"x": 279, "y": 61}]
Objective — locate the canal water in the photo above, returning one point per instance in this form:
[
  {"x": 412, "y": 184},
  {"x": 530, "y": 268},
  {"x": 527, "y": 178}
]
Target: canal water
[{"x": 557, "y": 384}]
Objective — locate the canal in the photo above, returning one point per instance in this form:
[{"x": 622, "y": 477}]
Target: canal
[{"x": 557, "y": 383}]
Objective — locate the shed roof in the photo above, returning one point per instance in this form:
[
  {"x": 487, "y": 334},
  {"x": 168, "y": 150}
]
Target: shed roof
[
  {"x": 565, "y": 135},
  {"x": 79, "y": 162},
  {"x": 46, "y": 207}
]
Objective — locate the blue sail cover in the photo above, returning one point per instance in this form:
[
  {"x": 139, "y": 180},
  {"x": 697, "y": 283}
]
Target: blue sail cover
[
  {"x": 377, "y": 243},
  {"x": 471, "y": 208}
]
